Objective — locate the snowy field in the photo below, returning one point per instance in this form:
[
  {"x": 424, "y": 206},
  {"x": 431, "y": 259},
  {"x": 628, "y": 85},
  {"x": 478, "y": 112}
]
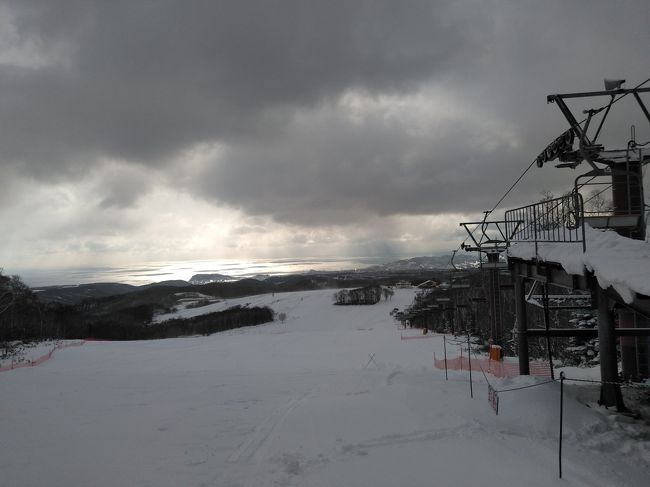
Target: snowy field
[{"x": 297, "y": 403}]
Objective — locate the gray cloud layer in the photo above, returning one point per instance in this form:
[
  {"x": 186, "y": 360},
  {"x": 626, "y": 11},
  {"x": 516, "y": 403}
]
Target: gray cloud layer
[
  {"x": 141, "y": 79},
  {"x": 142, "y": 82}
]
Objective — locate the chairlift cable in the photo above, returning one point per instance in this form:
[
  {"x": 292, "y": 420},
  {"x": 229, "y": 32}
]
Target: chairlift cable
[
  {"x": 505, "y": 195},
  {"x": 532, "y": 163}
]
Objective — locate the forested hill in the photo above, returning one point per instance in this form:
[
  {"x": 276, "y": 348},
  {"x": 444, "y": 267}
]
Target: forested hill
[
  {"x": 76, "y": 294},
  {"x": 242, "y": 287}
]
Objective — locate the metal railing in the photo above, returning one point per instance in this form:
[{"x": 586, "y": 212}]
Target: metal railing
[{"x": 558, "y": 220}]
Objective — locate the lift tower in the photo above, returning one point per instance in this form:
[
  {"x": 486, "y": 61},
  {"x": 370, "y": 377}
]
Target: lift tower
[
  {"x": 621, "y": 169},
  {"x": 622, "y": 166},
  {"x": 490, "y": 238}
]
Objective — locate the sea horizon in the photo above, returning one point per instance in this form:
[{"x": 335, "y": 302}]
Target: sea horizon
[{"x": 152, "y": 272}]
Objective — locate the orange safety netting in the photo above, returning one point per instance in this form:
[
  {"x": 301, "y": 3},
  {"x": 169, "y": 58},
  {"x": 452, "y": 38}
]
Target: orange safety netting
[
  {"x": 412, "y": 337},
  {"x": 496, "y": 368},
  {"x": 41, "y": 359}
]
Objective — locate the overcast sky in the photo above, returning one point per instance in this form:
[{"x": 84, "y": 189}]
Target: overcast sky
[{"x": 136, "y": 131}]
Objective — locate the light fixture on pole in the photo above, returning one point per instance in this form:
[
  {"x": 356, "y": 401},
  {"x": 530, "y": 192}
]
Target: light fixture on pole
[{"x": 613, "y": 84}]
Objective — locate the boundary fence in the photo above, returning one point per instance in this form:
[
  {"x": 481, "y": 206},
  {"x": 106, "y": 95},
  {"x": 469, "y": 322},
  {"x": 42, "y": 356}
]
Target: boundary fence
[
  {"x": 414, "y": 337},
  {"x": 496, "y": 368},
  {"x": 540, "y": 368},
  {"x": 41, "y": 359}
]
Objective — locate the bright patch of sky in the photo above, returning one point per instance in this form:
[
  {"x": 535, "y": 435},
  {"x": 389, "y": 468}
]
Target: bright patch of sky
[{"x": 135, "y": 132}]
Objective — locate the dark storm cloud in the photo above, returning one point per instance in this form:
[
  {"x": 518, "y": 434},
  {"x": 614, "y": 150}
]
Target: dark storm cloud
[
  {"x": 337, "y": 171},
  {"x": 142, "y": 82}
]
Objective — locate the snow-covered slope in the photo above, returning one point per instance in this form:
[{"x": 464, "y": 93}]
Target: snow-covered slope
[{"x": 330, "y": 397}]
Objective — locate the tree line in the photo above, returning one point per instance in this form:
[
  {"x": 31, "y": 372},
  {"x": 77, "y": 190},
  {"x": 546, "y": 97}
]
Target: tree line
[
  {"x": 364, "y": 295},
  {"x": 23, "y": 317},
  {"x": 235, "y": 317}
]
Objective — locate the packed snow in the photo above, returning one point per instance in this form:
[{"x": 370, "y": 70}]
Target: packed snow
[
  {"x": 330, "y": 397},
  {"x": 19, "y": 354},
  {"x": 620, "y": 262}
]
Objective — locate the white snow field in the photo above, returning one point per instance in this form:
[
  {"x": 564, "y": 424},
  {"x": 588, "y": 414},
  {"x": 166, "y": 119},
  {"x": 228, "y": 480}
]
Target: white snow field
[{"x": 298, "y": 403}]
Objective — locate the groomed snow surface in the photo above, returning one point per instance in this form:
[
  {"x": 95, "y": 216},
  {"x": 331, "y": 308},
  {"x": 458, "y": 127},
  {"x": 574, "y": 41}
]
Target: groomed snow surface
[{"x": 298, "y": 403}]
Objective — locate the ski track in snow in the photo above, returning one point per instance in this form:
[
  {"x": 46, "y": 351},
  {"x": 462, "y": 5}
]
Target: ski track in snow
[
  {"x": 330, "y": 397},
  {"x": 254, "y": 444}
]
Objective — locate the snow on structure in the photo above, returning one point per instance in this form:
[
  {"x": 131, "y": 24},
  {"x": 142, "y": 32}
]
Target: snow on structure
[{"x": 616, "y": 261}]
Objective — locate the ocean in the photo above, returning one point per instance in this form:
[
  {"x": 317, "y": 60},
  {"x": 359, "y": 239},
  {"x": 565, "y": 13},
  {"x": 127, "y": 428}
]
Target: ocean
[{"x": 148, "y": 273}]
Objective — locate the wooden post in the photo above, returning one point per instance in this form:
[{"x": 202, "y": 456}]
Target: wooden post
[
  {"x": 522, "y": 323},
  {"x": 561, "y": 421},
  {"x": 494, "y": 299},
  {"x": 444, "y": 343},
  {"x": 547, "y": 325},
  {"x": 642, "y": 348},
  {"x": 629, "y": 357},
  {"x": 469, "y": 358},
  {"x": 610, "y": 391}
]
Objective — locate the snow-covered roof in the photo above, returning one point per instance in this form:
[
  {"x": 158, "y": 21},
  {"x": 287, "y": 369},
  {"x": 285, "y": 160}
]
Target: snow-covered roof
[{"x": 616, "y": 261}]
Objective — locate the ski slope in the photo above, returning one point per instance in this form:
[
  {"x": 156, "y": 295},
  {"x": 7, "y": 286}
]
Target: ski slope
[{"x": 299, "y": 403}]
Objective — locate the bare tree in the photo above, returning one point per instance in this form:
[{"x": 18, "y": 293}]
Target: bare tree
[
  {"x": 597, "y": 204},
  {"x": 387, "y": 292},
  {"x": 6, "y": 294}
]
